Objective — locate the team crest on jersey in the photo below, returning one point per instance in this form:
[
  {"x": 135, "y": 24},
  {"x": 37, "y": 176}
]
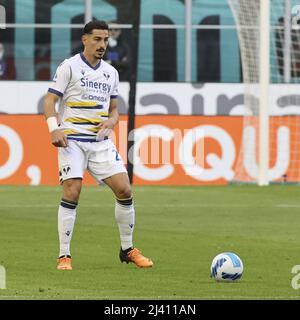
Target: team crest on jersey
[
  {"x": 106, "y": 75},
  {"x": 82, "y": 72}
]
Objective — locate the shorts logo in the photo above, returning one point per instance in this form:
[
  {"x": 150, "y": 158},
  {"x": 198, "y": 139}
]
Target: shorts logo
[
  {"x": 66, "y": 169},
  {"x": 68, "y": 232},
  {"x": 117, "y": 155}
]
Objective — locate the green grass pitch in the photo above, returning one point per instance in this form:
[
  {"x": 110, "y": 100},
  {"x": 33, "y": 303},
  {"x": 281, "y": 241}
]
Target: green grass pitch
[{"x": 180, "y": 228}]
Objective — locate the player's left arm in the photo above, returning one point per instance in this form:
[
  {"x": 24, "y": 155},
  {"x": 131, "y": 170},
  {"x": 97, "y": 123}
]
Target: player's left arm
[
  {"x": 113, "y": 117},
  {"x": 113, "y": 114}
]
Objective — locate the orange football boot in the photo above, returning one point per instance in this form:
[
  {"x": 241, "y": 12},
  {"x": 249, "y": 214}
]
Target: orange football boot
[
  {"x": 134, "y": 255},
  {"x": 64, "y": 263}
]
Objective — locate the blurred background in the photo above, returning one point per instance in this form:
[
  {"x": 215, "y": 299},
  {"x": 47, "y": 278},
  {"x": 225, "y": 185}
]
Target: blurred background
[
  {"x": 40, "y": 34},
  {"x": 189, "y": 77}
]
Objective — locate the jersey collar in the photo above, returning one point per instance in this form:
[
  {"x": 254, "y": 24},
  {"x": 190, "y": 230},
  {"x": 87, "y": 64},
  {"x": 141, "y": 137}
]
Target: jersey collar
[{"x": 85, "y": 60}]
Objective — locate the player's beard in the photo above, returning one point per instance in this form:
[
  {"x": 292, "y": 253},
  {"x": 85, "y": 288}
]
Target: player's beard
[{"x": 99, "y": 54}]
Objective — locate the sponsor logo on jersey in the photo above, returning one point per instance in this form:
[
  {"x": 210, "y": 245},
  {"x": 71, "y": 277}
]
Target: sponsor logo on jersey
[
  {"x": 93, "y": 98},
  {"x": 102, "y": 87}
]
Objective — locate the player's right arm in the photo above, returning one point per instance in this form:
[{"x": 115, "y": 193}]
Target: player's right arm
[
  {"x": 58, "y": 138},
  {"x": 56, "y": 91}
]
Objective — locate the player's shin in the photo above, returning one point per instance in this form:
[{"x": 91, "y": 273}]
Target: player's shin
[
  {"x": 66, "y": 220},
  {"x": 124, "y": 213}
]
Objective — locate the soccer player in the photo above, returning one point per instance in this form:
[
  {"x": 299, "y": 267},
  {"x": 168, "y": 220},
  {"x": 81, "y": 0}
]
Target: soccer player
[{"x": 87, "y": 88}]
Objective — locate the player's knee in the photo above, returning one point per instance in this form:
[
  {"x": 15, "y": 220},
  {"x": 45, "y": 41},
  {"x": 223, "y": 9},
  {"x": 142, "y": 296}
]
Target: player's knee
[
  {"x": 71, "y": 190},
  {"x": 124, "y": 192},
  {"x": 72, "y": 194}
]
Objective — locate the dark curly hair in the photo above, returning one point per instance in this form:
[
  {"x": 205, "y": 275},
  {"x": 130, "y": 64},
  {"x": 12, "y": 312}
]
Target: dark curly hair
[{"x": 95, "y": 24}]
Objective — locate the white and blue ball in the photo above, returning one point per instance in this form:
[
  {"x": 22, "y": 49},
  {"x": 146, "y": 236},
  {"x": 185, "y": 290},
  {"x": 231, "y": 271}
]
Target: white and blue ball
[{"x": 227, "y": 266}]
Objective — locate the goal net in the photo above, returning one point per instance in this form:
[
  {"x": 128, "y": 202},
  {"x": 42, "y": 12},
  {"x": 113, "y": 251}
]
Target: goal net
[{"x": 269, "y": 38}]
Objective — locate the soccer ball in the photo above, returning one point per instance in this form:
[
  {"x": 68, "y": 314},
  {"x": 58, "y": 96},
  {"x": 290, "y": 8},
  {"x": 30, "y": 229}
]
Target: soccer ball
[{"x": 226, "y": 266}]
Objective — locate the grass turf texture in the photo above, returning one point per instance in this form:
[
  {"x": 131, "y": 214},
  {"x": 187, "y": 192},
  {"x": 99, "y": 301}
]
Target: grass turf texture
[{"x": 180, "y": 228}]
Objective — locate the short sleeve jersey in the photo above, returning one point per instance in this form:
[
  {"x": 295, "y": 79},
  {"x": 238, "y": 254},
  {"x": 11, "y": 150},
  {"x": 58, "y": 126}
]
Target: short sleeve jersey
[{"x": 85, "y": 93}]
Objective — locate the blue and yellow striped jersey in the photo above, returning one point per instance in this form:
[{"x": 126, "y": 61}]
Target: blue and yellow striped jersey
[{"x": 85, "y": 93}]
